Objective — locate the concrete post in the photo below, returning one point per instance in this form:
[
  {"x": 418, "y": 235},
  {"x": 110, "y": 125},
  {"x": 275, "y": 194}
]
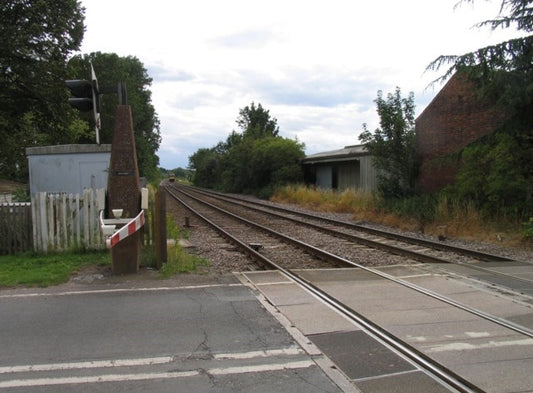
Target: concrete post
[{"x": 124, "y": 190}]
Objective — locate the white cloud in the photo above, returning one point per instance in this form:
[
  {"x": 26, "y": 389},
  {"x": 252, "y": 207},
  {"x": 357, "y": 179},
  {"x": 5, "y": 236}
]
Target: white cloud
[{"x": 315, "y": 64}]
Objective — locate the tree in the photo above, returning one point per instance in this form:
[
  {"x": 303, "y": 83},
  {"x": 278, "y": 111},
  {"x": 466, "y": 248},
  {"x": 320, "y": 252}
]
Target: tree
[
  {"x": 111, "y": 69},
  {"x": 255, "y": 122},
  {"x": 252, "y": 162},
  {"x": 392, "y": 145},
  {"x": 503, "y": 73},
  {"x": 205, "y": 164},
  {"x": 37, "y": 38},
  {"x": 504, "y": 69},
  {"x": 275, "y": 161}
]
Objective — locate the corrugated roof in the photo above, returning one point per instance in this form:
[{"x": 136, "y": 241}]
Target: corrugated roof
[{"x": 345, "y": 154}]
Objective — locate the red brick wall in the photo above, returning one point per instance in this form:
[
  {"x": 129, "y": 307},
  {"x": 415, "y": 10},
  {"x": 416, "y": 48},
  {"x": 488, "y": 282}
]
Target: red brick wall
[{"x": 455, "y": 118}]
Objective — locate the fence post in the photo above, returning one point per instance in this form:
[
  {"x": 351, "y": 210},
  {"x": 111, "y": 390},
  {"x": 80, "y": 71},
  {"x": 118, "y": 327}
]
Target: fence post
[
  {"x": 43, "y": 216},
  {"x": 160, "y": 227}
]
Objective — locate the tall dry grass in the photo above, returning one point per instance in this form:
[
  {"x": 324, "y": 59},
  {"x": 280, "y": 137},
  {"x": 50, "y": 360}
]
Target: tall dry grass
[
  {"x": 450, "y": 219},
  {"x": 348, "y": 201},
  {"x": 465, "y": 221}
]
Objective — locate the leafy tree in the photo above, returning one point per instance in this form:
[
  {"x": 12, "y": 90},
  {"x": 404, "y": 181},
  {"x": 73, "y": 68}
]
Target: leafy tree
[
  {"x": 255, "y": 122},
  {"x": 275, "y": 161},
  {"x": 252, "y": 162},
  {"x": 503, "y": 73},
  {"x": 37, "y": 38},
  {"x": 514, "y": 55},
  {"x": 111, "y": 69},
  {"x": 206, "y": 166},
  {"x": 392, "y": 145}
]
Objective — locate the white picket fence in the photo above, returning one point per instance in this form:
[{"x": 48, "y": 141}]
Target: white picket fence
[{"x": 64, "y": 221}]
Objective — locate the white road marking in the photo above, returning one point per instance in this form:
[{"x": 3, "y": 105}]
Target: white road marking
[
  {"x": 118, "y": 290},
  {"x": 266, "y": 284},
  {"x": 148, "y": 376},
  {"x": 16, "y": 383},
  {"x": 461, "y": 346},
  {"x": 261, "y": 368},
  {"x": 256, "y": 354},
  {"x": 477, "y": 334},
  {"x": 289, "y": 351},
  {"x": 89, "y": 364},
  {"x": 380, "y": 376}
]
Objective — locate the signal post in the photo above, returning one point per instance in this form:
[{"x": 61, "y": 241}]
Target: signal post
[{"x": 123, "y": 186}]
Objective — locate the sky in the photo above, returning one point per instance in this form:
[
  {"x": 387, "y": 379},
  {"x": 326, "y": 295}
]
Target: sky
[{"x": 316, "y": 65}]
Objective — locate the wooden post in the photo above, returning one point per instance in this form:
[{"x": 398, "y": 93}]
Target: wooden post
[{"x": 160, "y": 228}]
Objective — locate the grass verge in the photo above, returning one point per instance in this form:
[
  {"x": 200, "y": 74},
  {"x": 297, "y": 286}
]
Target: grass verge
[
  {"x": 178, "y": 260},
  {"x": 42, "y": 270}
]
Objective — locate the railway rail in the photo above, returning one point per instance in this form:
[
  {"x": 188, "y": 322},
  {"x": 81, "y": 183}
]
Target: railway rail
[
  {"x": 361, "y": 228},
  {"x": 413, "y": 248},
  {"x": 438, "y": 371}
]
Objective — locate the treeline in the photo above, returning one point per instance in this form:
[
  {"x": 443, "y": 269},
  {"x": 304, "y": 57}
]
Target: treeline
[
  {"x": 180, "y": 173},
  {"x": 39, "y": 38},
  {"x": 252, "y": 161}
]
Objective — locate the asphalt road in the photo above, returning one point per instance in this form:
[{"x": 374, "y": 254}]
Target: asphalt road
[{"x": 199, "y": 338}]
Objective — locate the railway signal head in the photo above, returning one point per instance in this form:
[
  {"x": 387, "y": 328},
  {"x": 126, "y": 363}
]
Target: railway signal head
[
  {"x": 83, "y": 94},
  {"x": 86, "y": 97}
]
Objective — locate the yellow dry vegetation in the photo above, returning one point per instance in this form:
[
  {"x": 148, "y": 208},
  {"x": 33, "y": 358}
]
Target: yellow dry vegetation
[{"x": 451, "y": 220}]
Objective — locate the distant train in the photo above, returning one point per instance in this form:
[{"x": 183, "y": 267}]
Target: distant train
[{"x": 171, "y": 177}]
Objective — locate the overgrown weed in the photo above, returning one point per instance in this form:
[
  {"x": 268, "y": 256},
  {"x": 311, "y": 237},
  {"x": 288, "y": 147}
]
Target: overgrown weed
[
  {"x": 178, "y": 260},
  {"x": 433, "y": 215}
]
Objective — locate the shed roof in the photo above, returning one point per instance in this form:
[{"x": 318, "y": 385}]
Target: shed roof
[
  {"x": 348, "y": 153},
  {"x": 68, "y": 149}
]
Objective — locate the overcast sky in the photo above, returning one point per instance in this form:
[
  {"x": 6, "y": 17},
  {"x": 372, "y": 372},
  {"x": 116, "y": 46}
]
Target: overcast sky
[{"x": 316, "y": 65}]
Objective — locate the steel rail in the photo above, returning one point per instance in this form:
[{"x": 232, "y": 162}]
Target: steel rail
[
  {"x": 393, "y": 249},
  {"x": 354, "y": 238},
  {"x": 343, "y": 261},
  {"x": 443, "y": 374},
  {"x": 390, "y": 235}
]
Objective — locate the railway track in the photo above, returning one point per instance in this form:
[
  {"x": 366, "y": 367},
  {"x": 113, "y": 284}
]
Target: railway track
[
  {"x": 260, "y": 244},
  {"x": 406, "y": 247},
  {"x": 382, "y": 236}
]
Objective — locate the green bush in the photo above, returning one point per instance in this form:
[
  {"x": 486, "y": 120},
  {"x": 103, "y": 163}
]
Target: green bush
[
  {"x": 21, "y": 195},
  {"x": 527, "y": 232},
  {"x": 180, "y": 262},
  {"x": 422, "y": 207}
]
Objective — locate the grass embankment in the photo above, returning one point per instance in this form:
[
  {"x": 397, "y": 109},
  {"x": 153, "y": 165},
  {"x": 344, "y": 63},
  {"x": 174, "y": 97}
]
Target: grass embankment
[
  {"x": 429, "y": 215},
  {"x": 43, "y": 270}
]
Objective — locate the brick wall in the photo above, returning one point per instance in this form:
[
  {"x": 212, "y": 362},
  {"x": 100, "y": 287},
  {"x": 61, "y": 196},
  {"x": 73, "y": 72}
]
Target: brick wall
[{"x": 455, "y": 118}]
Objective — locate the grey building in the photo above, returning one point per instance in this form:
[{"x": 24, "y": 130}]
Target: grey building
[
  {"x": 68, "y": 168},
  {"x": 350, "y": 167}
]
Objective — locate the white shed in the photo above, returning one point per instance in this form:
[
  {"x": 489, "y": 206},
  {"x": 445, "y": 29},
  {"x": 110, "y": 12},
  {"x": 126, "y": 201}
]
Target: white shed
[{"x": 68, "y": 168}]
